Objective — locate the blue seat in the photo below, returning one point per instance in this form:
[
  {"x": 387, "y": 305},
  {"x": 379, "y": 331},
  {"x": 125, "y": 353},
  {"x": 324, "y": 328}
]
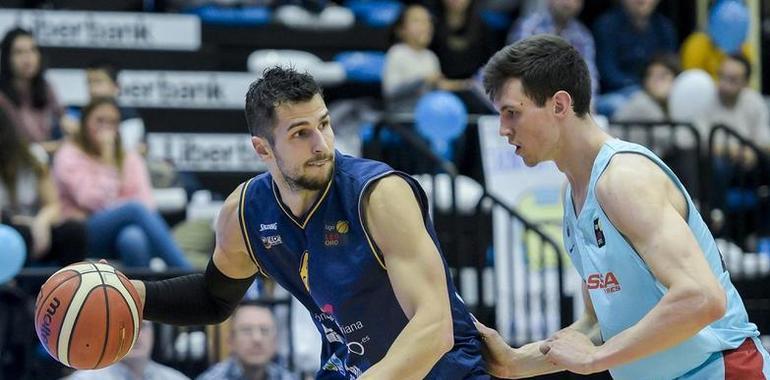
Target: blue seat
[
  {"x": 362, "y": 66},
  {"x": 375, "y": 13},
  {"x": 243, "y": 16}
]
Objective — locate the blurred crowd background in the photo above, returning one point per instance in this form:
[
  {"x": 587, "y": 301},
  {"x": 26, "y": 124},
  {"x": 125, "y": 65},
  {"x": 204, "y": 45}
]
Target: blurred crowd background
[{"x": 122, "y": 130}]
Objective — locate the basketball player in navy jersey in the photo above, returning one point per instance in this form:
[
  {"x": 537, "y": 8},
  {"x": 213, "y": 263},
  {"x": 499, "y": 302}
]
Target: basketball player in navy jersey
[{"x": 349, "y": 238}]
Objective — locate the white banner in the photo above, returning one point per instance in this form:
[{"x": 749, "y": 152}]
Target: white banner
[
  {"x": 206, "y": 151},
  {"x": 536, "y": 193},
  {"x": 108, "y": 30},
  {"x": 161, "y": 89}
]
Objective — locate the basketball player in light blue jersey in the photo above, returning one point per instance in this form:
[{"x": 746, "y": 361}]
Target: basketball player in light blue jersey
[
  {"x": 350, "y": 238},
  {"x": 659, "y": 303}
]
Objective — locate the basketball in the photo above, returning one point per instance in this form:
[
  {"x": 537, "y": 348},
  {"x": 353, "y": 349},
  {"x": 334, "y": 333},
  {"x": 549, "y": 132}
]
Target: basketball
[{"x": 88, "y": 315}]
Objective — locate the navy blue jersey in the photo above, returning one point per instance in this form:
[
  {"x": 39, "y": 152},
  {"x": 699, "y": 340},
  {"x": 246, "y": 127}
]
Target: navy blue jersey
[{"x": 328, "y": 261}]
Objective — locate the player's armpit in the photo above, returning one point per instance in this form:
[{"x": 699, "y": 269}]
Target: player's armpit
[
  {"x": 416, "y": 271},
  {"x": 231, "y": 254}
]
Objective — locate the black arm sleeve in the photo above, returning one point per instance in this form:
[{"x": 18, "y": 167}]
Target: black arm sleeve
[{"x": 196, "y": 299}]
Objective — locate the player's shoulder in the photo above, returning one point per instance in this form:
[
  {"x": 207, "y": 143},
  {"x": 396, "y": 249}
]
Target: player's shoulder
[{"x": 629, "y": 174}]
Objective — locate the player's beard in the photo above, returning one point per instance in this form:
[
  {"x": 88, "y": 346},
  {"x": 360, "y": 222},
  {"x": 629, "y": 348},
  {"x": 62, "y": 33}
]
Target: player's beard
[{"x": 297, "y": 182}]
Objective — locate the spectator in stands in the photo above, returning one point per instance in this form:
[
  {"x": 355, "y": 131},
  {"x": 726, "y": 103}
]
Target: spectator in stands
[
  {"x": 462, "y": 42},
  {"x": 650, "y": 103},
  {"x": 136, "y": 365},
  {"x": 742, "y": 109},
  {"x": 29, "y": 203},
  {"x": 110, "y": 188},
  {"x": 411, "y": 69},
  {"x": 25, "y": 95},
  {"x": 738, "y": 106},
  {"x": 626, "y": 38},
  {"x": 560, "y": 18},
  {"x": 102, "y": 82},
  {"x": 253, "y": 344}
]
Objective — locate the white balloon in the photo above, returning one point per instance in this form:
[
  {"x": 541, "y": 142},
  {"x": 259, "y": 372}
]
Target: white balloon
[{"x": 692, "y": 94}]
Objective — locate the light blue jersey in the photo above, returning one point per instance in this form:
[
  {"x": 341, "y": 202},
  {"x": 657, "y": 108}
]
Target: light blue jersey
[{"x": 623, "y": 288}]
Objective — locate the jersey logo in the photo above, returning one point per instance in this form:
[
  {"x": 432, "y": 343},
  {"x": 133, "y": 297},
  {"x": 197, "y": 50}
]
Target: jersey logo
[
  {"x": 599, "y": 233},
  {"x": 271, "y": 241},
  {"x": 333, "y": 233},
  {"x": 303, "y": 273},
  {"x": 607, "y": 282},
  {"x": 271, "y": 226}
]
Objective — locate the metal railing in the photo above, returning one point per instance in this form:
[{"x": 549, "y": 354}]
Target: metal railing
[{"x": 739, "y": 200}]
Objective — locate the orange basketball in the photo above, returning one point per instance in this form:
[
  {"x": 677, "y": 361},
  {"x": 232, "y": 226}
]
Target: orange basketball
[{"x": 88, "y": 315}]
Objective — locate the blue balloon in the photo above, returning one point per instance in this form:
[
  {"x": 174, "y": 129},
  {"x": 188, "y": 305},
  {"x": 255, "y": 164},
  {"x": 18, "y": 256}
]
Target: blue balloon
[
  {"x": 729, "y": 25},
  {"x": 13, "y": 252},
  {"x": 440, "y": 116}
]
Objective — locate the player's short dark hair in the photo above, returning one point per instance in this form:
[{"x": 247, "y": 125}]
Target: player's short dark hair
[
  {"x": 107, "y": 67},
  {"x": 277, "y": 86},
  {"x": 545, "y": 64},
  {"x": 742, "y": 60}
]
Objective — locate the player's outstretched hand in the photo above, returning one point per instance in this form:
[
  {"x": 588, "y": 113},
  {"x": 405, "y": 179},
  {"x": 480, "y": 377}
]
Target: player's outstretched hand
[
  {"x": 497, "y": 354},
  {"x": 572, "y": 350}
]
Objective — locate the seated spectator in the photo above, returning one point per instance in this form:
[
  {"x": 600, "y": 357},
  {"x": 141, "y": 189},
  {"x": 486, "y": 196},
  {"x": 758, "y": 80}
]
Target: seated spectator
[
  {"x": 109, "y": 187},
  {"x": 411, "y": 69},
  {"x": 650, "y": 103},
  {"x": 626, "y": 38},
  {"x": 25, "y": 94},
  {"x": 737, "y": 105},
  {"x": 136, "y": 365},
  {"x": 102, "y": 82},
  {"x": 462, "y": 41},
  {"x": 560, "y": 18},
  {"x": 29, "y": 203},
  {"x": 253, "y": 343}
]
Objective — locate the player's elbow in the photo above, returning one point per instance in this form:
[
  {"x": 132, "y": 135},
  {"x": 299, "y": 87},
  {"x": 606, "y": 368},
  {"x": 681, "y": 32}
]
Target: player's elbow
[
  {"x": 709, "y": 305},
  {"x": 445, "y": 337},
  {"x": 716, "y": 304}
]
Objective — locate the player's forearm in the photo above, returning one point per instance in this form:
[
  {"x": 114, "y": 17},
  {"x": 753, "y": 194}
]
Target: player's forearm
[
  {"x": 195, "y": 299},
  {"x": 416, "y": 350},
  {"x": 679, "y": 315}
]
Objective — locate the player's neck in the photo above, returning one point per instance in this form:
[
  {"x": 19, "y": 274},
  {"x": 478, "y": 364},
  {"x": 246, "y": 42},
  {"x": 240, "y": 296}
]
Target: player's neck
[
  {"x": 581, "y": 143},
  {"x": 299, "y": 201}
]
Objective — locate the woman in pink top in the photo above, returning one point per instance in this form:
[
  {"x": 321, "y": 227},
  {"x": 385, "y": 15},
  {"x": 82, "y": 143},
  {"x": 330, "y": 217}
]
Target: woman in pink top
[
  {"x": 111, "y": 189},
  {"x": 25, "y": 94}
]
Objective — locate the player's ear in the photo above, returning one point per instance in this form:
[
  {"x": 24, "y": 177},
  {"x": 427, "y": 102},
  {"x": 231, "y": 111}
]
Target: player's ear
[
  {"x": 562, "y": 103},
  {"x": 262, "y": 147}
]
